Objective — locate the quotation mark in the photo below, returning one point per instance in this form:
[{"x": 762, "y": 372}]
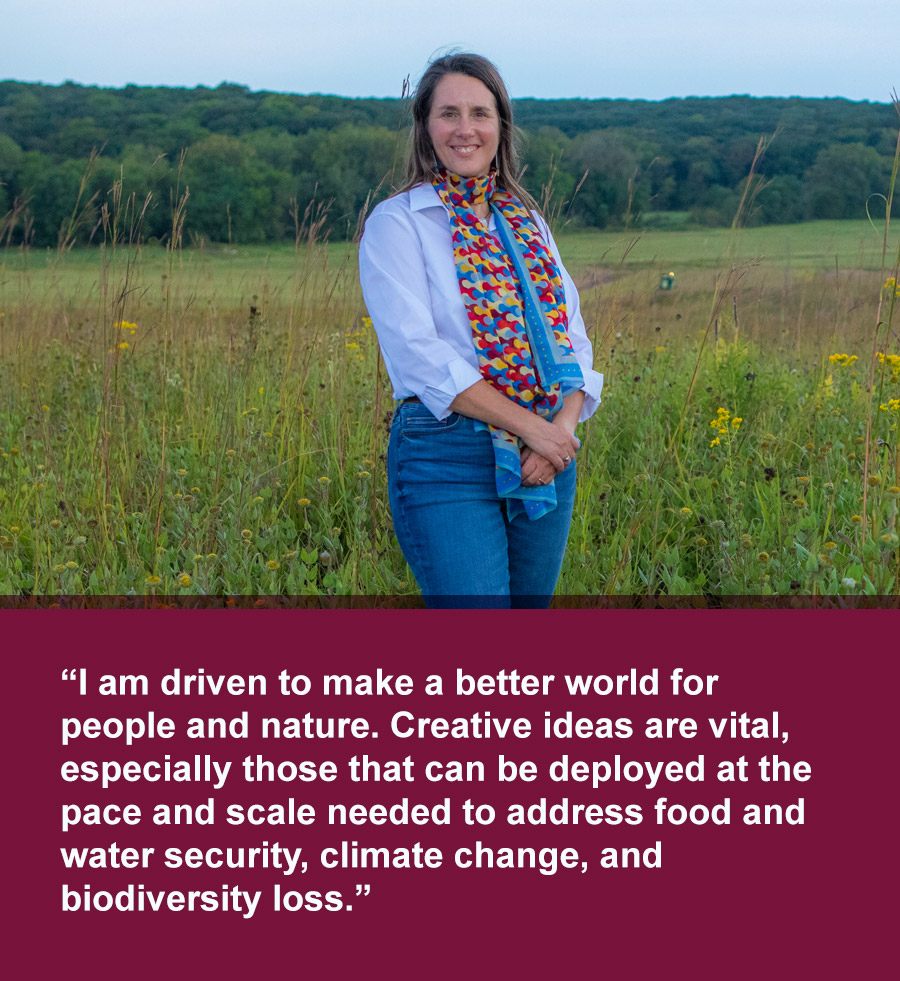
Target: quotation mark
[
  {"x": 363, "y": 890},
  {"x": 78, "y": 675}
]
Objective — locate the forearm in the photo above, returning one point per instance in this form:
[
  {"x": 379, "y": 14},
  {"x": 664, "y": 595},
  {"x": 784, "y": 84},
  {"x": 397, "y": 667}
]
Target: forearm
[
  {"x": 570, "y": 413},
  {"x": 556, "y": 443},
  {"x": 483, "y": 401}
]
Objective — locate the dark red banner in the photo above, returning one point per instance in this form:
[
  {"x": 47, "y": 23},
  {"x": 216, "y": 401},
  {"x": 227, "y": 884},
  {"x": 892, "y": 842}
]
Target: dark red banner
[{"x": 583, "y": 792}]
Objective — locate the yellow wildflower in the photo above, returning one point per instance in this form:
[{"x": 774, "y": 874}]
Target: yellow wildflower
[
  {"x": 891, "y": 360},
  {"x": 843, "y": 360}
]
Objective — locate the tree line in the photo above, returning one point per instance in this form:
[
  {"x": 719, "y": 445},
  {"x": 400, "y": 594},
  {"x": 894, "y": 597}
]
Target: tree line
[{"x": 258, "y": 163}]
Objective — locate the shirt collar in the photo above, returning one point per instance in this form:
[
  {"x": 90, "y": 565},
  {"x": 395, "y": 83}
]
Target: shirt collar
[{"x": 423, "y": 196}]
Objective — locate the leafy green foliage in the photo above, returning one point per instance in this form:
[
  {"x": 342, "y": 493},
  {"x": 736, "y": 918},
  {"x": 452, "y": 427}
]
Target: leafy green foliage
[{"x": 255, "y": 159}]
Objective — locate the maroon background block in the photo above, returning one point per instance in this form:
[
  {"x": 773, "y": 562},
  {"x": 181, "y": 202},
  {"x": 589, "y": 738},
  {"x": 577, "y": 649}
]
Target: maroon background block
[{"x": 815, "y": 900}]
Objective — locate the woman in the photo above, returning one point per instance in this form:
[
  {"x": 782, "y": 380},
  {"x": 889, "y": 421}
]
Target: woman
[{"x": 493, "y": 375}]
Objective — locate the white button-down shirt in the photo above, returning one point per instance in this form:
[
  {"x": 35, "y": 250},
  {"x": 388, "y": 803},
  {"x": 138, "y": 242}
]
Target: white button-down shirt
[{"x": 409, "y": 282}]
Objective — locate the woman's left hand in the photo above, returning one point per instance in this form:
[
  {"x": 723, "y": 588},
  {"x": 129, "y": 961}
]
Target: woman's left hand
[{"x": 536, "y": 470}]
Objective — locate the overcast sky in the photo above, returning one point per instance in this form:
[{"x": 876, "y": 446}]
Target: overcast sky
[{"x": 645, "y": 49}]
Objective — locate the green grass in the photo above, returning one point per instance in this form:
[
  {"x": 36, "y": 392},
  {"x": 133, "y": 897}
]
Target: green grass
[
  {"x": 235, "y": 444},
  {"x": 848, "y": 245}
]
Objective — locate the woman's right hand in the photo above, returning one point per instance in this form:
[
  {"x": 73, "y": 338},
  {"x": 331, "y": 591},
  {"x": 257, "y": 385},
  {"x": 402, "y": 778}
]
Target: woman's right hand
[{"x": 554, "y": 443}]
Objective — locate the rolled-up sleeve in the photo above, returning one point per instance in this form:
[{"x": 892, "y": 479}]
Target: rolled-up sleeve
[
  {"x": 395, "y": 289},
  {"x": 581, "y": 345}
]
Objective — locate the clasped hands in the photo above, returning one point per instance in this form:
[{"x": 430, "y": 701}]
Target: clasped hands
[{"x": 548, "y": 454}]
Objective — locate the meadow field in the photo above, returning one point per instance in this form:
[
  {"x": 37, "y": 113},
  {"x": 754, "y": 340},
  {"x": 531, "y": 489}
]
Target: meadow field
[{"x": 213, "y": 420}]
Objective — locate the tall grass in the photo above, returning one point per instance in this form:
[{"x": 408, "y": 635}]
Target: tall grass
[{"x": 214, "y": 421}]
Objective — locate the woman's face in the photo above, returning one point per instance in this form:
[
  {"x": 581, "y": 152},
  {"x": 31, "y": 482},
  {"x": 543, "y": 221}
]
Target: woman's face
[{"x": 464, "y": 125}]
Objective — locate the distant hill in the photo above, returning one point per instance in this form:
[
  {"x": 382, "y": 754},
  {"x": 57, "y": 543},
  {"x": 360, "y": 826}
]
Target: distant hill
[{"x": 256, "y": 162}]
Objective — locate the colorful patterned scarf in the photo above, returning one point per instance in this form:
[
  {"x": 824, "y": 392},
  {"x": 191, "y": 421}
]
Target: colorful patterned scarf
[{"x": 519, "y": 328}]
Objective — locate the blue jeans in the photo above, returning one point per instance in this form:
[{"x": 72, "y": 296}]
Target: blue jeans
[{"x": 451, "y": 525}]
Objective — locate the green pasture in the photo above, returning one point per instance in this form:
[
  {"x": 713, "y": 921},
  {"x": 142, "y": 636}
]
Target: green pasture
[
  {"x": 810, "y": 245},
  {"x": 214, "y": 420}
]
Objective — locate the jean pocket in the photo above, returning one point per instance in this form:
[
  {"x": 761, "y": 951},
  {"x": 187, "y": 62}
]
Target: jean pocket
[{"x": 416, "y": 418}]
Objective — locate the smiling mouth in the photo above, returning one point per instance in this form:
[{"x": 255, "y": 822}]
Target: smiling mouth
[{"x": 464, "y": 149}]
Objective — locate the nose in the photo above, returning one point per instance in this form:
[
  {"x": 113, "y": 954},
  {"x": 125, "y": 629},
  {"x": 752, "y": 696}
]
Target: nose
[{"x": 464, "y": 123}]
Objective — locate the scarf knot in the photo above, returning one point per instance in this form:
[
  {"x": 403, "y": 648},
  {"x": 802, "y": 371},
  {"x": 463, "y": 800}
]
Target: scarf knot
[{"x": 467, "y": 192}]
